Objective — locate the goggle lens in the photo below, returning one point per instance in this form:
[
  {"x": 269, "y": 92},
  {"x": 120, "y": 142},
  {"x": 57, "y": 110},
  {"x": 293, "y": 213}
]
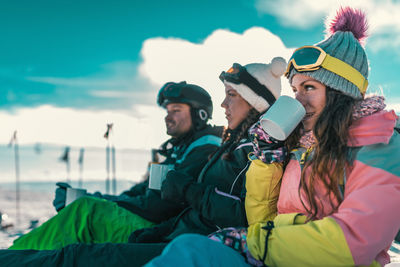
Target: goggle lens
[
  {"x": 238, "y": 74},
  {"x": 171, "y": 90},
  {"x": 233, "y": 74},
  {"x": 311, "y": 58},
  {"x": 233, "y": 70},
  {"x": 306, "y": 56}
]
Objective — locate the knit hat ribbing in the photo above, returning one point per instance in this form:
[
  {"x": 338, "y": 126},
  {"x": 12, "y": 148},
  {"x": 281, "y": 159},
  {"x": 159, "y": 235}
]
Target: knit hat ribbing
[
  {"x": 345, "y": 46},
  {"x": 268, "y": 75}
]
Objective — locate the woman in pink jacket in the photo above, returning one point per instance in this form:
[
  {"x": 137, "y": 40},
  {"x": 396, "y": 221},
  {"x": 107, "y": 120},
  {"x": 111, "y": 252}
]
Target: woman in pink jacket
[{"x": 340, "y": 192}]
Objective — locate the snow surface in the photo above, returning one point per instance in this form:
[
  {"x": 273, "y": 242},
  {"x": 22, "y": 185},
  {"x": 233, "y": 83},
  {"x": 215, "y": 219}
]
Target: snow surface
[
  {"x": 37, "y": 205},
  {"x": 33, "y": 206}
]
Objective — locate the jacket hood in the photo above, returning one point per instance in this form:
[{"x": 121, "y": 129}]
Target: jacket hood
[{"x": 373, "y": 129}]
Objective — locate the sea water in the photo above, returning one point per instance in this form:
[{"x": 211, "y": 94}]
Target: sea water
[
  {"x": 40, "y": 168},
  {"x": 42, "y": 163}
]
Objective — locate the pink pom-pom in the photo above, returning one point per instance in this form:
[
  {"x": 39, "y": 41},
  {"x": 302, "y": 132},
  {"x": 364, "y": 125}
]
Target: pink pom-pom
[{"x": 350, "y": 20}]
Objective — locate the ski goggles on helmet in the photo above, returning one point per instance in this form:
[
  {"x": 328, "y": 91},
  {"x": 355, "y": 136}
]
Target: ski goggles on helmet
[
  {"x": 170, "y": 90},
  {"x": 238, "y": 74},
  {"x": 311, "y": 58}
]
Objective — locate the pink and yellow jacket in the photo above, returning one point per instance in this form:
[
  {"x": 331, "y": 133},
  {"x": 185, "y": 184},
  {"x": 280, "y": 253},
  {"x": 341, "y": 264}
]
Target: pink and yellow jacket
[{"x": 362, "y": 229}]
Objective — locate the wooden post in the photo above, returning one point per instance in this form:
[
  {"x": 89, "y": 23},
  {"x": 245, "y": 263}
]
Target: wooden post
[
  {"x": 108, "y": 159},
  {"x": 65, "y": 158},
  {"x": 17, "y": 180},
  {"x": 14, "y": 141},
  {"x": 114, "y": 181},
  {"x": 108, "y": 167},
  {"x": 80, "y": 161}
]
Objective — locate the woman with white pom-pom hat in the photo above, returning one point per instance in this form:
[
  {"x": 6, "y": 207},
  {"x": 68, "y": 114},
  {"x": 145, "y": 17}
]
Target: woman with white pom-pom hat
[
  {"x": 214, "y": 199},
  {"x": 340, "y": 190}
]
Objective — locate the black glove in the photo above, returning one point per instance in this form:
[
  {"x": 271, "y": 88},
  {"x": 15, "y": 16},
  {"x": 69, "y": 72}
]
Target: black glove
[
  {"x": 154, "y": 234},
  {"x": 175, "y": 185},
  {"x": 60, "y": 196}
]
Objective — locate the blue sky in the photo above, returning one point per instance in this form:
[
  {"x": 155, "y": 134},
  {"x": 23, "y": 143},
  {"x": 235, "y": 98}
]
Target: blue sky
[{"x": 69, "y": 67}]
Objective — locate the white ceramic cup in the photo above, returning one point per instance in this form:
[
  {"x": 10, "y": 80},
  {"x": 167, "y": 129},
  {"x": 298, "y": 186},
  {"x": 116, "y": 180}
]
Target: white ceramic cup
[
  {"x": 73, "y": 194},
  {"x": 158, "y": 172},
  {"x": 282, "y": 117}
]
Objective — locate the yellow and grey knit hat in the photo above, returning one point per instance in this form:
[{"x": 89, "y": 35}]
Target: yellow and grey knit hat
[{"x": 347, "y": 30}]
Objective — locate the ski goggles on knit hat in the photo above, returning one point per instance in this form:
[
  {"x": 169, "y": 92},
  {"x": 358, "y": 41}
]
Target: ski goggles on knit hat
[
  {"x": 311, "y": 58},
  {"x": 238, "y": 74}
]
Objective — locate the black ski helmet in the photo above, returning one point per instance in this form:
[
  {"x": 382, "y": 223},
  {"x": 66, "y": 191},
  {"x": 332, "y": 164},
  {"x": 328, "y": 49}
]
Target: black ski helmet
[{"x": 193, "y": 95}]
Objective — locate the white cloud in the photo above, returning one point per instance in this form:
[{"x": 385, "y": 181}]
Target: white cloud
[
  {"x": 393, "y": 103},
  {"x": 394, "y": 106},
  {"x": 162, "y": 60},
  {"x": 177, "y": 60},
  {"x": 383, "y": 16},
  {"x": 301, "y": 14},
  {"x": 113, "y": 94},
  {"x": 118, "y": 77},
  {"x": 116, "y": 80},
  {"x": 48, "y": 124}
]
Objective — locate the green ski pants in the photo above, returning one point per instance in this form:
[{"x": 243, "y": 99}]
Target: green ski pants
[{"x": 86, "y": 220}]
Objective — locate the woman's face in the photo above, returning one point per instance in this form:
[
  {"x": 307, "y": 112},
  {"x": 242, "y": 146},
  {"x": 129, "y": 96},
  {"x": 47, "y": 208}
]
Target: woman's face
[
  {"x": 312, "y": 95},
  {"x": 236, "y": 108}
]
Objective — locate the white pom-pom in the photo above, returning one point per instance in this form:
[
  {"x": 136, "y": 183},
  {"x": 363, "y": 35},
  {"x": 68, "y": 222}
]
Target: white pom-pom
[{"x": 278, "y": 66}]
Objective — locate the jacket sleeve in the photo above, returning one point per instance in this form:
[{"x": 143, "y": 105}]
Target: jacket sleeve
[
  {"x": 196, "y": 159},
  {"x": 294, "y": 242},
  {"x": 216, "y": 205},
  {"x": 263, "y": 182},
  {"x": 220, "y": 208},
  {"x": 357, "y": 234},
  {"x": 136, "y": 190},
  {"x": 150, "y": 205}
]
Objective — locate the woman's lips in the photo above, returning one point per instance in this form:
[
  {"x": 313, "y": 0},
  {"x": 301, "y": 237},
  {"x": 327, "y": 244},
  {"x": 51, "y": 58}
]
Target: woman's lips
[{"x": 308, "y": 116}]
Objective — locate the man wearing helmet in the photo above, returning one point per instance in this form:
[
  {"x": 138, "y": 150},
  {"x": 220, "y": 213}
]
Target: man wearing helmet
[
  {"x": 101, "y": 218},
  {"x": 194, "y": 96},
  {"x": 178, "y": 121}
]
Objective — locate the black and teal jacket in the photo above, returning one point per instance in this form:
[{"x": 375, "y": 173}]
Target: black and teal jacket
[
  {"x": 188, "y": 155},
  {"x": 216, "y": 200}
]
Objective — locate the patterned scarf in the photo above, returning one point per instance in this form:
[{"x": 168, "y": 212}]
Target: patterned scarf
[
  {"x": 265, "y": 147},
  {"x": 365, "y": 108}
]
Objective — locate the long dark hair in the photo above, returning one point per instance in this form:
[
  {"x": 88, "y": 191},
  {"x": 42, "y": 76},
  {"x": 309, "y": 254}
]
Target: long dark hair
[
  {"x": 330, "y": 157},
  {"x": 231, "y": 138}
]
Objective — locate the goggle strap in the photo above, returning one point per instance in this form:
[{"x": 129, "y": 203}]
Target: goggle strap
[
  {"x": 247, "y": 79},
  {"x": 260, "y": 89},
  {"x": 346, "y": 71}
]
